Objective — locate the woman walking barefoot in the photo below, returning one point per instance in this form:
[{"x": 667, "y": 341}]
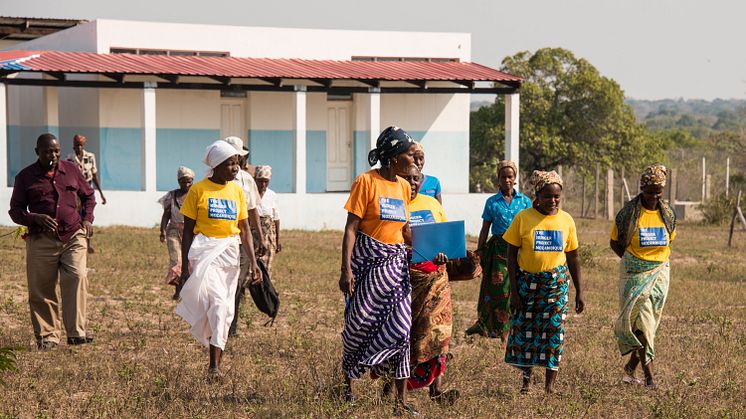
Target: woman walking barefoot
[
  {"x": 375, "y": 272},
  {"x": 215, "y": 221},
  {"x": 641, "y": 236},
  {"x": 172, "y": 225},
  {"x": 543, "y": 244},
  {"x": 493, "y": 307}
]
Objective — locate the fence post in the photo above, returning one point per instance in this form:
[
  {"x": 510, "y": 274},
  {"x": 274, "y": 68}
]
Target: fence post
[
  {"x": 672, "y": 186},
  {"x": 736, "y": 210},
  {"x": 595, "y": 193},
  {"x": 610, "y": 194}
]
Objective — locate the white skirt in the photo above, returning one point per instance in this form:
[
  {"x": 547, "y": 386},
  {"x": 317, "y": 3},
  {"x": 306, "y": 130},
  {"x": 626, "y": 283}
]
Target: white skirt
[{"x": 208, "y": 297}]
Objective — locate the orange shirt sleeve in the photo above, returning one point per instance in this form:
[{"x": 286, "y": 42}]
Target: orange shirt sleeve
[{"x": 360, "y": 194}]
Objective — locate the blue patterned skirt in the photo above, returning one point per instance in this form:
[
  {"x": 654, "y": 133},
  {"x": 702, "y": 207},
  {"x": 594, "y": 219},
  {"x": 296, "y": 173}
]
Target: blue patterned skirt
[
  {"x": 537, "y": 332},
  {"x": 378, "y": 315}
]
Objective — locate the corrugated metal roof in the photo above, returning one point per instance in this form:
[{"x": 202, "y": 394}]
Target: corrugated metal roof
[{"x": 235, "y": 67}]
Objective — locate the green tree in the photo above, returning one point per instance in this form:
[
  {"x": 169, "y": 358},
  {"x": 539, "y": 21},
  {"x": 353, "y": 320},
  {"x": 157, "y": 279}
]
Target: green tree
[{"x": 571, "y": 115}]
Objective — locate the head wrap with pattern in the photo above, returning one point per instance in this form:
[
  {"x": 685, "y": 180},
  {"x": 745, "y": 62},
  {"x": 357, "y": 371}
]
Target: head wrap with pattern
[
  {"x": 392, "y": 142},
  {"x": 654, "y": 175},
  {"x": 506, "y": 163},
  {"x": 263, "y": 172},
  {"x": 183, "y": 172},
  {"x": 540, "y": 179}
]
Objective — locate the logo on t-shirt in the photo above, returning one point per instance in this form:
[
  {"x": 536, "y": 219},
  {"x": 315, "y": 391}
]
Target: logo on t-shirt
[
  {"x": 222, "y": 209},
  {"x": 421, "y": 217},
  {"x": 652, "y": 236},
  {"x": 392, "y": 209},
  {"x": 548, "y": 241}
]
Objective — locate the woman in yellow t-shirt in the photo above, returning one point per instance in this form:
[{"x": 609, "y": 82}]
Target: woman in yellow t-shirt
[
  {"x": 542, "y": 245},
  {"x": 641, "y": 235},
  {"x": 375, "y": 273},
  {"x": 215, "y": 221}
]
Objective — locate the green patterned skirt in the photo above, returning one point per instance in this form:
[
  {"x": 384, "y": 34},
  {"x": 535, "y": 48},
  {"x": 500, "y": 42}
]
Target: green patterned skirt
[
  {"x": 493, "y": 307},
  {"x": 643, "y": 287}
]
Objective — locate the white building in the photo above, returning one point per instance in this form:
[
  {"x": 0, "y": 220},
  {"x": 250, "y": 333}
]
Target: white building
[{"x": 150, "y": 97}]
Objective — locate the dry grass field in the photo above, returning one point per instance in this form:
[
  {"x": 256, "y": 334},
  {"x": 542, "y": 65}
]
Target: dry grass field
[{"x": 144, "y": 363}]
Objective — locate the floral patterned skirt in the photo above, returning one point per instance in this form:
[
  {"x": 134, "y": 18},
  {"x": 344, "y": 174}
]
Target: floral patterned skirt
[
  {"x": 494, "y": 294},
  {"x": 537, "y": 332}
]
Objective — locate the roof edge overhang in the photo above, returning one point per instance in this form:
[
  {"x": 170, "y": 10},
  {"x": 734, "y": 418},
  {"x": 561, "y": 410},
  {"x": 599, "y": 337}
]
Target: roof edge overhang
[{"x": 69, "y": 69}]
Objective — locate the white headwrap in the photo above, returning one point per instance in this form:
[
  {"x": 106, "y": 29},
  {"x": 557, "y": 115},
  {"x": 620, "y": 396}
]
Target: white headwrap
[
  {"x": 184, "y": 172},
  {"x": 216, "y": 153}
]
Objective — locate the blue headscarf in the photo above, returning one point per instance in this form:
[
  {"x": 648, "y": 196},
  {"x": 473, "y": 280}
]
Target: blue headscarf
[{"x": 392, "y": 141}]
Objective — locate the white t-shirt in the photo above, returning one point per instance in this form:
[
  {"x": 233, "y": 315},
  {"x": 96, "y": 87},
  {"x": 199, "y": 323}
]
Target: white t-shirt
[
  {"x": 268, "y": 205},
  {"x": 246, "y": 182}
]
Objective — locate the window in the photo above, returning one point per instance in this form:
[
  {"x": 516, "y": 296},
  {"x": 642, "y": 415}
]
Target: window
[
  {"x": 174, "y": 53},
  {"x": 407, "y": 59}
]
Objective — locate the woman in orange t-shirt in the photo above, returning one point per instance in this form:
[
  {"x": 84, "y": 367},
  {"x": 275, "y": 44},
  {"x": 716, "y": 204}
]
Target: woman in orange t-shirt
[{"x": 375, "y": 271}]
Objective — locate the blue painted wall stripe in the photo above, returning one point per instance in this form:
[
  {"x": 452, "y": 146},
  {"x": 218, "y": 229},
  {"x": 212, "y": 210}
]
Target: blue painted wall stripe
[
  {"x": 120, "y": 158},
  {"x": 180, "y": 147},
  {"x": 21, "y": 144},
  {"x": 315, "y": 161},
  {"x": 274, "y": 148}
]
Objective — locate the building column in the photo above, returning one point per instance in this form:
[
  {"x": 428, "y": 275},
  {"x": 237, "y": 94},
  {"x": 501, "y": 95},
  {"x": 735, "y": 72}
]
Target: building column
[
  {"x": 148, "y": 136},
  {"x": 299, "y": 131},
  {"x": 4, "y": 135},
  {"x": 51, "y": 99},
  {"x": 512, "y": 129},
  {"x": 374, "y": 116}
]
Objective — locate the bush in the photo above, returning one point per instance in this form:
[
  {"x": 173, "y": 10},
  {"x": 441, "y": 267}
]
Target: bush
[
  {"x": 718, "y": 210},
  {"x": 7, "y": 361}
]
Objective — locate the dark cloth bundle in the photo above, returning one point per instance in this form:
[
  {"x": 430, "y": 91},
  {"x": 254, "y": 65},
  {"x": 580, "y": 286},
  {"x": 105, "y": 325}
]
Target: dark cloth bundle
[
  {"x": 265, "y": 296},
  {"x": 464, "y": 269}
]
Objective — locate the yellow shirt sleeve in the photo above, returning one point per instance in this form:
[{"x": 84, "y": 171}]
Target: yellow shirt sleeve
[
  {"x": 673, "y": 234},
  {"x": 572, "y": 239},
  {"x": 357, "y": 203},
  {"x": 189, "y": 207},
  {"x": 513, "y": 234},
  {"x": 243, "y": 212}
]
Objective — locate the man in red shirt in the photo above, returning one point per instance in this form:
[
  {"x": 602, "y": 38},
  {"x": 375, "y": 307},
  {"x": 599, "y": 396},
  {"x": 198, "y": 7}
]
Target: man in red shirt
[{"x": 44, "y": 199}]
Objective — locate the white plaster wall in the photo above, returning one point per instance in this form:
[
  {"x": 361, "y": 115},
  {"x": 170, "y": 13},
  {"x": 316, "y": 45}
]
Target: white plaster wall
[
  {"x": 278, "y": 42},
  {"x": 25, "y": 105},
  {"x": 188, "y": 109},
  {"x": 270, "y": 111},
  {"x": 426, "y": 112},
  {"x": 316, "y": 115},
  {"x": 120, "y": 108}
]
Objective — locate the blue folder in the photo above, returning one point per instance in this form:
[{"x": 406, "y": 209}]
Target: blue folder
[{"x": 430, "y": 239}]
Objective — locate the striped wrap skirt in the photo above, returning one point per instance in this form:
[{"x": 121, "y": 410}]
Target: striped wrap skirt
[{"x": 378, "y": 315}]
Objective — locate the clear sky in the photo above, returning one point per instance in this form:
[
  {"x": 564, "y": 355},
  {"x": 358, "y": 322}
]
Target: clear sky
[{"x": 654, "y": 48}]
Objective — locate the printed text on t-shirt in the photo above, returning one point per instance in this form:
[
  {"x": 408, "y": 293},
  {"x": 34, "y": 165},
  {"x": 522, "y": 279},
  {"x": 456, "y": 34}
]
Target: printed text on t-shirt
[
  {"x": 652, "y": 236},
  {"x": 392, "y": 209},
  {"x": 548, "y": 241},
  {"x": 421, "y": 217},
  {"x": 222, "y": 209}
]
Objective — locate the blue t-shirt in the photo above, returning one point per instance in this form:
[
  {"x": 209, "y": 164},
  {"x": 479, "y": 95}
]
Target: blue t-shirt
[
  {"x": 430, "y": 186},
  {"x": 500, "y": 214}
]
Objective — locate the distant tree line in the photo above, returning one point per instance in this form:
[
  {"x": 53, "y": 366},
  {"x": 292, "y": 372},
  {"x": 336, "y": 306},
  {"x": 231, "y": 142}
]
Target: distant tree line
[{"x": 573, "y": 116}]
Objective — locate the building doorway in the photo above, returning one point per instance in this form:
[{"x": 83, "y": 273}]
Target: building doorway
[
  {"x": 338, "y": 146},
  {"x": 233, "y": 119}
]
